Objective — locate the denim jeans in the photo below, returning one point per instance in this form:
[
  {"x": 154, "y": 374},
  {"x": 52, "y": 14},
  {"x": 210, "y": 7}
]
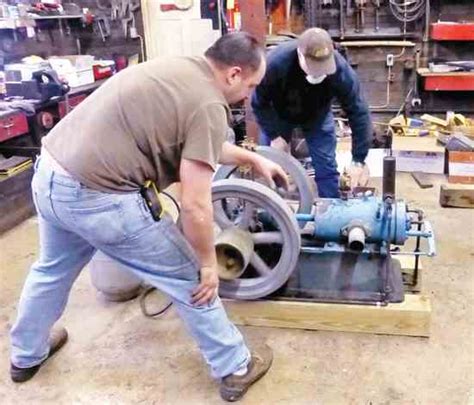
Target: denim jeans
[
  {"x": 320, "y": 137},
  {"x": 75, "y": 221}
]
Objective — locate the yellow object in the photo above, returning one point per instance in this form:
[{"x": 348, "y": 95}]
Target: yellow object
[
  {"x": 32, "y": 60},
  {"x": 151, "y": 195},
  {"x": 398, "y": 125},
  {"x": 16, "y": 169},
  {"x": 459, "y": 119},
  {"x": 434, "y": 120}
]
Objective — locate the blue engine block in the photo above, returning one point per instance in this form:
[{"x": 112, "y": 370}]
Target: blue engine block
[{"x": 368, "y": 219}]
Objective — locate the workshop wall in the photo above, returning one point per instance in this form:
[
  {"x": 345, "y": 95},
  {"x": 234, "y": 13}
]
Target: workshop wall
[
  {"x": 75, "y": 36},
  {"x": 370, "y": 61}
]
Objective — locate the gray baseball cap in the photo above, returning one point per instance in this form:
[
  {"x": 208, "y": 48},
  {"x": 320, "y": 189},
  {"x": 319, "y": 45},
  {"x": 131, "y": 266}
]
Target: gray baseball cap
[{"x": 318, "y": 50}]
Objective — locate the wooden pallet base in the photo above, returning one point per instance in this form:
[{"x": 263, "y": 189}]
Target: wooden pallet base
[{"x": 410, "y": 318}]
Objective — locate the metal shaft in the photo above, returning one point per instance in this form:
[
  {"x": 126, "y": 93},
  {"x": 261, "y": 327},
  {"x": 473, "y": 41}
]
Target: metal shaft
[{"x": 389, "y": 173}]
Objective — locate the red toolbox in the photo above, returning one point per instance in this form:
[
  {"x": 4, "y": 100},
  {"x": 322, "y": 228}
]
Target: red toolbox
[
  {"x": 454, "y": 82},
  {"x": 13, "y": 125},
  {"x": 74, "y": 101},
  {"x": 447, "y": 81}
]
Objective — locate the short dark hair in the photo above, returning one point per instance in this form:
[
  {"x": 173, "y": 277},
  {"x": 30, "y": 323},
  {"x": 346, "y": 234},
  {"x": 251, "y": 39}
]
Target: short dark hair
[{"x": 237, "y": 49}]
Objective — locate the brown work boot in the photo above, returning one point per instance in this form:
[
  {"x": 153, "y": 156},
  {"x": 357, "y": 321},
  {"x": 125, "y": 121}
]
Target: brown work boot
[
  {"x": 57, "y": 339},
  {"x": 233, "y": 387}
]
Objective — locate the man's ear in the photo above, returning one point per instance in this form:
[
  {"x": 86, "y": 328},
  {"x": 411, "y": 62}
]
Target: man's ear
[{"x": 234, "y": 73}]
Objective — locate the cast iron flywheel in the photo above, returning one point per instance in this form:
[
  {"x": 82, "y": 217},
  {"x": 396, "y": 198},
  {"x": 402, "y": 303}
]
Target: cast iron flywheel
[
  {"x": 302, "y": 188},
  {"x": 255, "y": 208}
]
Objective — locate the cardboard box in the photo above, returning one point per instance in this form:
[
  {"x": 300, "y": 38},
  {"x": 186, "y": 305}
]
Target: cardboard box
[
  {"x": 461, "y": 167},
  {"x": 76, "y": 70},
  {"x": 419, "y": 155},
  {"x": 417, "y": 161}
]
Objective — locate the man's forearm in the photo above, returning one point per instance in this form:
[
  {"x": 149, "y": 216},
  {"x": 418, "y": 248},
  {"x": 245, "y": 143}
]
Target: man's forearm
[
  {"x": 198, "y": 229},
  {"x": 361, "y": 127},
  {"x": 235, "y": 155}
]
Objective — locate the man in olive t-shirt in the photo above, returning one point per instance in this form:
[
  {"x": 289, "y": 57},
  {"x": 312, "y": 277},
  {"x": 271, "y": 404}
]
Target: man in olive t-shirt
[
  {"x": 141, "y": 124},
  {"x": 164, "y": 120}
]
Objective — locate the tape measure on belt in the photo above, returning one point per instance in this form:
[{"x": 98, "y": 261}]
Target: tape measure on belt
[{"x": 151, "y": 195}]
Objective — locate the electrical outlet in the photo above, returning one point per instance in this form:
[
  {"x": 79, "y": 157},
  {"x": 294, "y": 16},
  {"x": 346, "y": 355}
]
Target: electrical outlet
[
  {"x": 133, "y": 32},
  {"x": 390, "y": 60}
]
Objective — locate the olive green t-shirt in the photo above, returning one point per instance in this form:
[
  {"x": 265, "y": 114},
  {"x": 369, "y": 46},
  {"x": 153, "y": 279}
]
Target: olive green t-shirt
[{"x": 140, "y": 124}]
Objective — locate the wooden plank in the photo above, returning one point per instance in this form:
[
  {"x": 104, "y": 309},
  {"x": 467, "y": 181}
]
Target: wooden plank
[
  {"x": 422, "y": 179},
  {"x": 409, "y": 318},
  {"x": 457, "y": 195}
]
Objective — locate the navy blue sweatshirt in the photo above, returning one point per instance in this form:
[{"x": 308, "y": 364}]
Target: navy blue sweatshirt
[{"x": 284, "y": 95}]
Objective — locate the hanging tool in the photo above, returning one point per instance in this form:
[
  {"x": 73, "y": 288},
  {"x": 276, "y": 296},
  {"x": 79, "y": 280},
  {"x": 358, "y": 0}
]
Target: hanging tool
[
  {"x": 115, "y": 10},
  {"x": 376, "y": 4},
  {"x": 360, "y": 6},
  {"x": 416, "y": 100},
  {"x": 341, "y": 19},
  {"x": 103, "y": 26}
]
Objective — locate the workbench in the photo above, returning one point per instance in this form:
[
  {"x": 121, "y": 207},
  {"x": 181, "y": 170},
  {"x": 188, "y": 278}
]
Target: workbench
[{"x": 20, "y": 134}]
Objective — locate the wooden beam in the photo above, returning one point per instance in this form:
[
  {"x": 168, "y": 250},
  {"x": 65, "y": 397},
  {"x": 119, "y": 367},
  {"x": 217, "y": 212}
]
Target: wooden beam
[
  {"x": 410, "y": 318},
  {"x": 457, "y": 195}
]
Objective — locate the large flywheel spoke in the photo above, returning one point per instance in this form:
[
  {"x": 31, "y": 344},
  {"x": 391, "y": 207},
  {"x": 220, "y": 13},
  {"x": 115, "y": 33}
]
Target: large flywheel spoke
[
  {"x": 259, "y": 265},
  {"x": 221, "y": 218},
  {"x": 265, "y": 238},
  {"x": 247, "y": 215},
  {"x": 302, "y": 187}
]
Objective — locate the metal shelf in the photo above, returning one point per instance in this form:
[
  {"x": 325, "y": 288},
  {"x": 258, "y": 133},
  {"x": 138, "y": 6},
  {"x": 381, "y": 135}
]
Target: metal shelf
[{"x": 43, "y": 17}]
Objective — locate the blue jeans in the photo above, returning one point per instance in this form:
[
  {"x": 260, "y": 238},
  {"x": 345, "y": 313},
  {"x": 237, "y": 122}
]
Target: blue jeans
[
  {"x": 320, "y": 137},
  {"x": 74, "y": 221}
]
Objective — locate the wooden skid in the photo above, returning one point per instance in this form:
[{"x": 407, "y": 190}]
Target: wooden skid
[
  {"x": 457, "y": 195},
  {"x": 410, "y": 318}
]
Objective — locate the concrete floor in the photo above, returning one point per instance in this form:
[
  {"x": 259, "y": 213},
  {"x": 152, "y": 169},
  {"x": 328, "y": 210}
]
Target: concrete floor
[{"x": 116, "y": 356}]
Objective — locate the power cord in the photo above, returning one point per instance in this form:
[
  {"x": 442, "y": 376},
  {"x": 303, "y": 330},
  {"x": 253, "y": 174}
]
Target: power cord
[
  {"x": 142, "y": 301},
  {"x": 407, "y": 10}
]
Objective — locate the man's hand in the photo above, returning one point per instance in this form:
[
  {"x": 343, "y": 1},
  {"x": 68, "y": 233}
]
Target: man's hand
[
  {"x": 280, "y": 144},
  {"x": 359, "y": 174},
  {"x": 273, "y": 174},
  {"x": 206, "y": 291}
]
